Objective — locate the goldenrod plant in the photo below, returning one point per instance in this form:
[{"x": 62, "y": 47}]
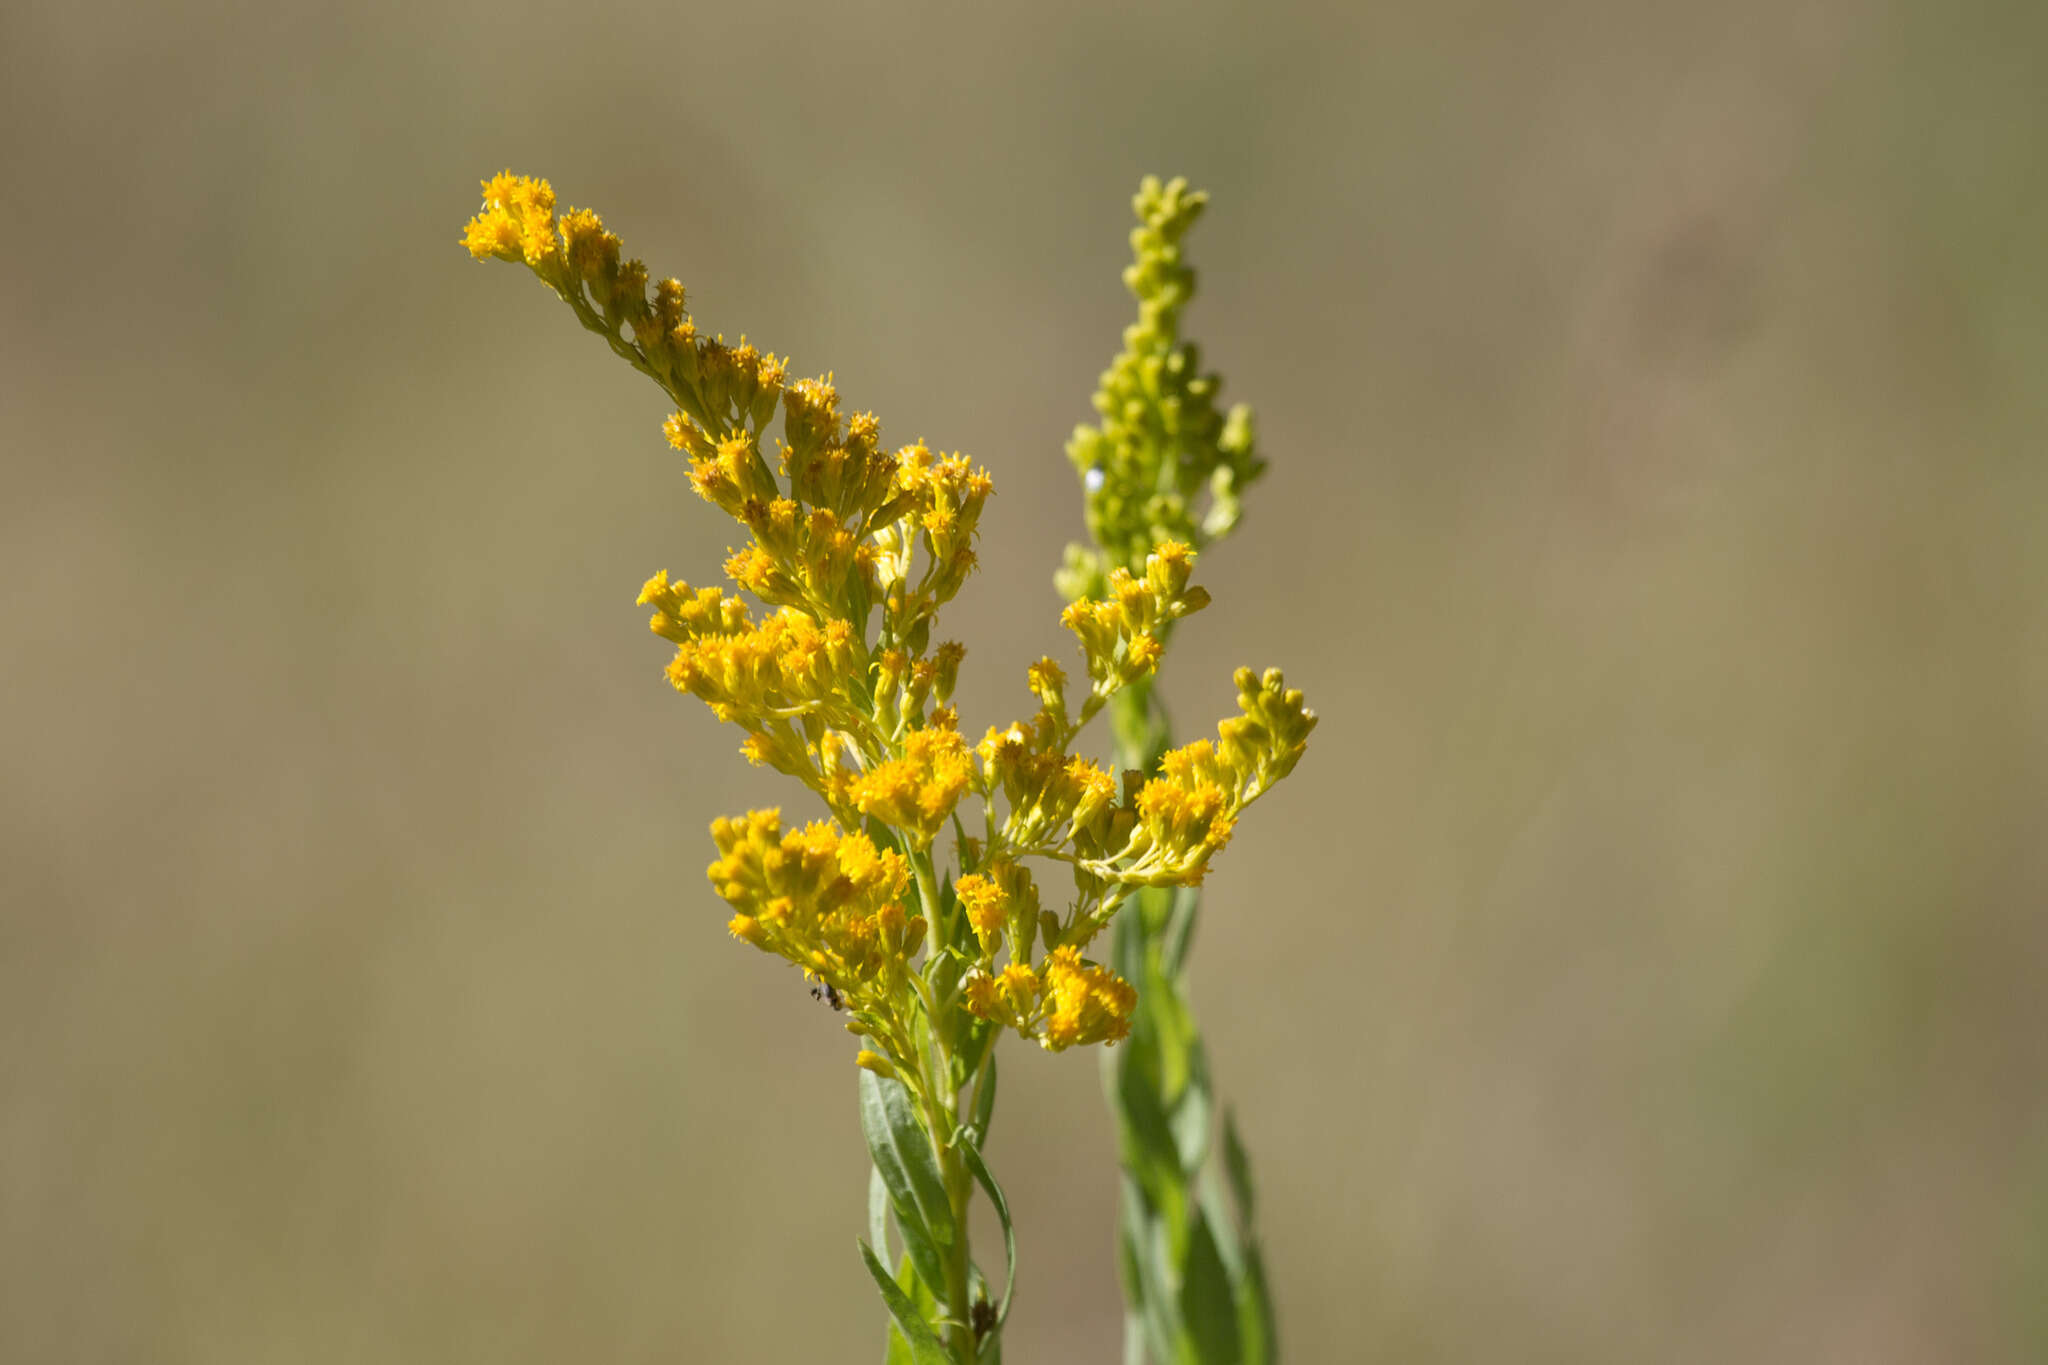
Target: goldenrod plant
[
  {"x": 919, "y": 917},
  {"x": 1163, "y": 463}
]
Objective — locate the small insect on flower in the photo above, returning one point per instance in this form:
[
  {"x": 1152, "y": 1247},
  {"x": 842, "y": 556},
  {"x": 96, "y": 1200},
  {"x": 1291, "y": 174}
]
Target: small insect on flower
[{"x": 828, "y": 993}]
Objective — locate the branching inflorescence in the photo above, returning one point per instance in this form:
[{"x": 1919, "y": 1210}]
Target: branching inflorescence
[{"x": 835, "y": 674}]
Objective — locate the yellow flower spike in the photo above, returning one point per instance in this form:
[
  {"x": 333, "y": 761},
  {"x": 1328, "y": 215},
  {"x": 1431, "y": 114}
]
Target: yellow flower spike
[
  {"x": 1002, "y": 753},
  {"x": 875, "y": 1062},
  {"x": 780, "y": 747},
  {"x": 1093, "y": 792},
  {"x": 682, "y": 615},
  {"x": 1272, "y": 734},
  {"x": 827, "y": 551},
  {"x": 1018, "y": 989},
  {"x": 516, "y": 222},
  {"x": 827, "y": 901},
  {"x": 1008, "y": 997},
  {"x": 1134, "y": 603},
  {"x": 810, "y": 408},
  {"x": 916, "y": 792},
  {"x": 1083, "y": 1004},
  {"x": 759, "y": 572},
  {"x": 987, "y": 908},
  {"x": 917, "y": 690},
  {"x": 1020, "y": 898},
  {"x": 890, "y": 927},
  {"x": 952, "y": 572},
  {"x": 982, "y": 1000},
  {"x": 946, "y": 669},
  {"x": 1168, "y": 567},
  {"x": 1123, "y": 635},
  {"x": 748, "y": 472},
  {"x": 669, "y": 307},
  {"x": 1048, "y": 683},
  {"x": 1142, "y": 656},
  {"x": 685, "y": 435},
  {"x": 592, "y": 253}
]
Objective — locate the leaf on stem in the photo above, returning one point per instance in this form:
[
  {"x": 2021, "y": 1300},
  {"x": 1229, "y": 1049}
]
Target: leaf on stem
[
  {"x": 917, "y": 1333},
  {"x": 1208, "y": 1307},
  {"x": 979, "y": 1169},
  {"x": 909, "y": 1172}
]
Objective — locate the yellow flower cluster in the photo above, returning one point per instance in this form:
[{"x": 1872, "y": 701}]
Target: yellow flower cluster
[
  {"x": 915, "y": 791},
  {"x": 1002, "y": 904},
  {"x": 1065, "y": 1003},
  {"x": 1123, "y": 635},
  {"x": 517, "y": 222},
  {"x": 830, "y": 902},
  {"x": 1163, "y": 831},
  {"x": 850, "y": 552},
  {"x": 1052, "y": 796},
  {"x": 1187, "y": 812},
  {"x": 789, "y": 664}
]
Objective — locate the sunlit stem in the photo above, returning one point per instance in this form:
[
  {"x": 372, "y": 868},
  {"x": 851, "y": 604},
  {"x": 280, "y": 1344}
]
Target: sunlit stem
[{"x": 941, "y": 1102}]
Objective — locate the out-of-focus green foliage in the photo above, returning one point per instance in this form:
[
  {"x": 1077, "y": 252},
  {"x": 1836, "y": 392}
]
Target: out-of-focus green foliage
[{"x": 1194, "y": 1277}]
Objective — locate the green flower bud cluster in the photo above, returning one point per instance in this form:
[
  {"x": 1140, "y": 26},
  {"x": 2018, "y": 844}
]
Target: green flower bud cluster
[{"x": 1162, "y": 440}]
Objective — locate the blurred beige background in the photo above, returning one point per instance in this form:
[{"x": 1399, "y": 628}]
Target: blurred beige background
[{"x": 1646, "y": 964}]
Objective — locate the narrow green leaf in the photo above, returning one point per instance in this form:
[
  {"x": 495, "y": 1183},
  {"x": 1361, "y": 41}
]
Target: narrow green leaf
[
  {"x": 985, "y": 1107},
  {"x": 1149, "y": 1150},
  {"x": 1161, "y": 1001},
  {"x": 878, "y": 1212},
  {"x": 1238, "y": 1166},
  {"x": 1208, "y": 1303},
  {"x": 1134, "y": 1336},
  {"x": 917, "y": 1333},
  {"x": 903, "y": 1153},
  {"x": 1149, "y": 1260},
  {"x": 1127, "y": 944},
  {"x": 1179, "y": 933},
  {"x": 921, "y": 1299},
  {"x": 981, "y": 1037},
  {"x": 953, "y": 925},
  {"x": 979, "y": 1169},
  {"x": 1193, "y": 1112},
  {"x": 1256, "y": 1324},
  {"x": 1222, "y": 1226},
  {"x": 910, "y": 1172},
  {"x": 924, "y": 1252}
]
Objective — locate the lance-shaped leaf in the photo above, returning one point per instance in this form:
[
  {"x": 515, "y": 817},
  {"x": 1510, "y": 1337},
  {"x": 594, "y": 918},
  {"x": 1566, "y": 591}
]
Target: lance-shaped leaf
[
  {"x": 979, "y": 1169},
  {"x": 917, "y": 1333},
  {"x": 910, "y": 1173}
]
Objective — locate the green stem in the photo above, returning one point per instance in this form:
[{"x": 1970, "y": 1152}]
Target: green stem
[
  {"x": 1140, "y": 736},
  {"x": 959, "y": 1191},
  {"x": 942, "y": 1117}
]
